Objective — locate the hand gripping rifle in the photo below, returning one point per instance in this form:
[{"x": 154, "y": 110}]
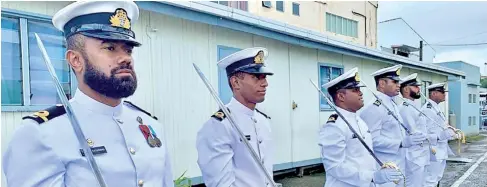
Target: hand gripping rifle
[
  {"x": 69, "y": 112},
  {"x": 383, "y": 165},
  {"x": 234, "y": 124}
]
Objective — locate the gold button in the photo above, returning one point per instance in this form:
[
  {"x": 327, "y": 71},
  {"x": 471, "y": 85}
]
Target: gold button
[
  {"x": 141, "y": 183},
  {"x": 132, "y": 151}
]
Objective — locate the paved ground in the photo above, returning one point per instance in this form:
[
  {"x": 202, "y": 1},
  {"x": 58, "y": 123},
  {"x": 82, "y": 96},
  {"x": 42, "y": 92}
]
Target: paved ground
[{"x": 474, "y": 149}]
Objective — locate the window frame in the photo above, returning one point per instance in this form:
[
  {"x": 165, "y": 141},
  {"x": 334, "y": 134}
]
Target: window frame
[
  {"x": 298, "y": 12},
  {"x": 23, "y": 18},
  {"x": 350, "y": 25},
  {"x": 331, "y": 66},
  {"x": 267, "y": 4},
  {"x": 277, "y": 2}
]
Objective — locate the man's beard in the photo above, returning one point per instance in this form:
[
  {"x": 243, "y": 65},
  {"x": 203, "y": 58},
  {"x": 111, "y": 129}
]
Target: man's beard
[
  {"x": 112, "y": 86},
  {"x": 415, "y": 95}
]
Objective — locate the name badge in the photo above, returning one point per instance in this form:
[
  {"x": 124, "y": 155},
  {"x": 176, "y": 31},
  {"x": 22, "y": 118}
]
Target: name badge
[
  {"x": 247, "y": 137},
  {"x": 95, "y": 150}
]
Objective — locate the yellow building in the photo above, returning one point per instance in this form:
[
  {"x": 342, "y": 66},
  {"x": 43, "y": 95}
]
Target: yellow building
[{"x": 353, "y": 21}]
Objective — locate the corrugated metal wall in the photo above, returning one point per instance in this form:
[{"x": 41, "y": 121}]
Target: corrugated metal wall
[{"x": 170, "y": 88}]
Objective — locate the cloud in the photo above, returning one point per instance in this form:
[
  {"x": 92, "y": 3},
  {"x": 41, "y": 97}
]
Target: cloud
[{"x": 475, "y": 57}]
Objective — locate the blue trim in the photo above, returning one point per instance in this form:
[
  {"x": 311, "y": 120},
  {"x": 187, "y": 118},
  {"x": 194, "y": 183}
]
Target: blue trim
[
  {"x": 196, "y": 180},
  {"x": 320, "y": 64},
  {"x": 289, "y": 165},
  {"x": 32, "y": 108},
  {"x": 276, "y": 167},
  {"x": 23, "y": 14},
  {"x": 201, "y": 17}
]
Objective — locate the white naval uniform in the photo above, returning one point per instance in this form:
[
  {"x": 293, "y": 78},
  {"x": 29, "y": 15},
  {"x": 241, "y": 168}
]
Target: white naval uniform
[
  {"x": 417, "y": 157},
  {"x": 347, "y": 162},
  {"x": 434, "y": 171},
  {"x": 48, "y": 154},
  {"x": 387, "y": 133},
  {"x": 224, "y": 159}
]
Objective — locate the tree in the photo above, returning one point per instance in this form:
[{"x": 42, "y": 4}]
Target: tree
[{"x": 483, "y": 83}]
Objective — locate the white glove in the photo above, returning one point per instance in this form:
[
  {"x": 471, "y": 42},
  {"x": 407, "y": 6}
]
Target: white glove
[
  {"x": 387, "y": 175},
  {"x": 413, "y": 139}
]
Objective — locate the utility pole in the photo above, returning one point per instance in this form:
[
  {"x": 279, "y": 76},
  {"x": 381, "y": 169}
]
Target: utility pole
[{"x": 421, "y": 50}]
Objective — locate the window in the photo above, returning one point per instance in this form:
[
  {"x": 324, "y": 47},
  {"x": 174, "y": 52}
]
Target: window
[
  {"x": 280, "y": 6},
  {"x": 469, "y": 98},
  {"x": 474, "y": 98},
  {"x": 425, "y": 91},
  {"x": 296, "y": 9},
  {"x": 241, "y": 5},
  {"x": 267, "y": 4},
  {"x": 43, "y": 91},
  {"x": 11, "y": 62},
  {"x": 342, "y": 26},
  {"x": 26, "y": 82},
  {"x": 469, "y": 120},
  {"x": 327, "y": 73}
]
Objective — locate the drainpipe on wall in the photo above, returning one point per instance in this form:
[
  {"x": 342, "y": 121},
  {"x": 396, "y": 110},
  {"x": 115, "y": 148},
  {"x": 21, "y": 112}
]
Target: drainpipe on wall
[{"x": 365, "y": 32}]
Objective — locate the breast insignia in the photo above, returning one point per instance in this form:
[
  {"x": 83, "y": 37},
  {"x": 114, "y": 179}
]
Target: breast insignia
[
  {"x": 47, "y": 114},
  {"x": 377, "y": 103}
]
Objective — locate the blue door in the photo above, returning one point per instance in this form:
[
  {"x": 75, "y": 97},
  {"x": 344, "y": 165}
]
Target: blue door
[{"x": 224, "y": 90}]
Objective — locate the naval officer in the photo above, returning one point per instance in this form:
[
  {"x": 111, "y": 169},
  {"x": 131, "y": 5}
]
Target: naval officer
[
  {"x": 434, "y": 171},
  {"x": 127, "y": 142},
  {"x": 346, "y": 160},
  {"x": 417, "y": 157},
  {"x": 223, "y": 158},
  {"x": 388, "y": 136}
]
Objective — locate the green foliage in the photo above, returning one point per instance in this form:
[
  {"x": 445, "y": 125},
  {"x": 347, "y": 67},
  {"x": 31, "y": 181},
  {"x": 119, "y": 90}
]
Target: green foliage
[
  {"x": 182, "y": 181},
  {"x": 483, "y": 83}
]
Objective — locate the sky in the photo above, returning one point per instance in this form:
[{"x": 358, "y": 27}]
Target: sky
[{"x": 438, "y": 23}]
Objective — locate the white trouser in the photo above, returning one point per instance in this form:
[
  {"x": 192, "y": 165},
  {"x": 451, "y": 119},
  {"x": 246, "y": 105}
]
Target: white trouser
[
  {"x": 415, "y": 174},
  {"x": 434, "y": 173}
]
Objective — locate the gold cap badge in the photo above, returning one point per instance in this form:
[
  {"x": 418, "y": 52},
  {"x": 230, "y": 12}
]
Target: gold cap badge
[
  {"x": 357, "y": 78},
  {"x": 120, "y": 19},
  {"x": 259, "y": 58},
  {"x": 398, "y": 72}
]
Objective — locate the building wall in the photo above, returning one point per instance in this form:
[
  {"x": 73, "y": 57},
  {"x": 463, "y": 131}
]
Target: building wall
[
  {"x": 313, "y": 16},
  {"x": 460, "y": 91},
  {"x": 170, "y": 89}
]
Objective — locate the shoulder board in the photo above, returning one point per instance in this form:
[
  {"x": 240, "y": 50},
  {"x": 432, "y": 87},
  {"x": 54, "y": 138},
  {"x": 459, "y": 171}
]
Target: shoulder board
[
  {"x": 140, "y": 109},
  {"x": 265, "y": 115},
  {"x": 429, "y": 105},
  {"x": 219, "y": 115},
  {"x": 332, "y": 118},
  {"x": 405, "y": 104},
  {"x": 377, "y": 103},
  {"x": 47, "y": 114}
]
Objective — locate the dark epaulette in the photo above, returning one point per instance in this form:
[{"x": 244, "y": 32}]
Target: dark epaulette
[
  {"x": 377, "y": 103},
  {"x": 47, "y": 114},
  {"x": 429, "y": 105},
  {"x": 265, "y": 115},
  {"x": 140, "y": 109},
  {"x": 332, "y": 118},
  {"x": 219, "y": 115}
]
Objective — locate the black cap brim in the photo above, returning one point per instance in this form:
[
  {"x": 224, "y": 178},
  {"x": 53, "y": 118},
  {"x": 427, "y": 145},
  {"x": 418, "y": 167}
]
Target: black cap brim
[
  {"x": 257, "y": 70},
  {"x": 105, "y": 35}
]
